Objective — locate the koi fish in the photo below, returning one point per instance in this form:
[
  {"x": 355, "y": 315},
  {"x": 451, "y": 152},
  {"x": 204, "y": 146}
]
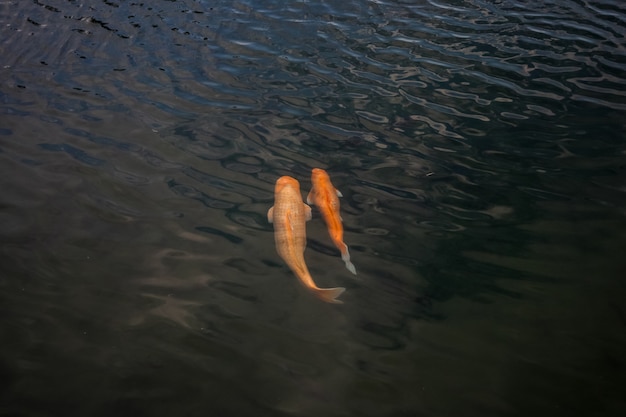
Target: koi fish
[
  {"x": 326, "y": 197},
  {"x": 289, "y": 215}
]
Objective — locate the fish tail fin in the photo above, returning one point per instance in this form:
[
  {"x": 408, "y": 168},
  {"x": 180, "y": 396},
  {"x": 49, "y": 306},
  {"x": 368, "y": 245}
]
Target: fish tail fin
[
  {"x": 330, "y": 294},
  {"x": 350, "y": 267},
  {"x": 345, "y": 256}
]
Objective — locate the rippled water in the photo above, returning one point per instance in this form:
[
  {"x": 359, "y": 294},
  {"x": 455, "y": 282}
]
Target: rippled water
[{"x": 479, "y": 146}]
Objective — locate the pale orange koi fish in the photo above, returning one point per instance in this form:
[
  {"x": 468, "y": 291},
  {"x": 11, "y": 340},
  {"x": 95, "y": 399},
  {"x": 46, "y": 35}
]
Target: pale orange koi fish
[
  {"x": 326, "y": 197},
  {"x": 289, "y": 215}
]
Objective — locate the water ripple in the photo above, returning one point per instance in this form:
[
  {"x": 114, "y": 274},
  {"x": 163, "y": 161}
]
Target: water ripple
[{"x": 156, "y": 130}]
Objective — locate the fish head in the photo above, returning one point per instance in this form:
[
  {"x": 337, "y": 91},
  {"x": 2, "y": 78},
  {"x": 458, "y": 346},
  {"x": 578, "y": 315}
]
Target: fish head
[
  {"x": 318, "y": 175},
  {"x": 286, "y": 181}
]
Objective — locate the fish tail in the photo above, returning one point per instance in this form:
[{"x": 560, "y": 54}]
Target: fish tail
[
  {"x": 350, "y": 267},
  {"x": 330, "y": 294},
  {"x": 345, "y": 256}
]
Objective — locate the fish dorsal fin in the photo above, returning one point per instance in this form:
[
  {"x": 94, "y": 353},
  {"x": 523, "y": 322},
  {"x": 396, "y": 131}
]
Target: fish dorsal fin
[{"x": 289, "y": 221}]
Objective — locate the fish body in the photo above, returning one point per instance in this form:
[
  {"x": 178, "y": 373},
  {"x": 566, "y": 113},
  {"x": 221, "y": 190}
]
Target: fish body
[
  {"x": 326, "y": 197},
  {"x": 289, "y": 215}
]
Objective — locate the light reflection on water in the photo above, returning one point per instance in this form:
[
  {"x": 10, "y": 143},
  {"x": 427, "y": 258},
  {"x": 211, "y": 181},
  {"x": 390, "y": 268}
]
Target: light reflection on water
[{"x": 479, "y": 148}]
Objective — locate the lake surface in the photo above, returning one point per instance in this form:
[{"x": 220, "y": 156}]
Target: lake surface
[{"x": 480, "y": 149}]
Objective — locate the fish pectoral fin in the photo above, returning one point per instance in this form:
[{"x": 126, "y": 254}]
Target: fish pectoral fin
[
  {"x": 307, "y": 212},
  {"x": 309, "y": 197},
  {"x": 338, "y": 193},
  {"x": 270, "y": 215}
]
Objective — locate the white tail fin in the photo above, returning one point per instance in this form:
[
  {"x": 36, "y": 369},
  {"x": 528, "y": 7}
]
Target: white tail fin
[
  {"x": 351, "y": 267},
  {"x": 330, "y": 294},
  {"x": 345, "y": 256}
]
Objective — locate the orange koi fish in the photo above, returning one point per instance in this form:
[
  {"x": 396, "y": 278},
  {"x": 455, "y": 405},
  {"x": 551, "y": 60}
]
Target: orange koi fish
[
  {"x": 326, "y": 197},
  {"x": 289, "y": 215}
]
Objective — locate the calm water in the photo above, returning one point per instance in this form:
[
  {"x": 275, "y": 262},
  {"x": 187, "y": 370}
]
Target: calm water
[{"x": 480, "y": 149}]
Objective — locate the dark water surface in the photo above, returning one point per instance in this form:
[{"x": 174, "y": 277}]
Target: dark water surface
[{"x": 480, "y": 149}]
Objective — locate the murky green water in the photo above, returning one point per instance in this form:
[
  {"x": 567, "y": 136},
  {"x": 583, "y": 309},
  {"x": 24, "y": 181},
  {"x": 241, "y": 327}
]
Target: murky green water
[{"x": 480, "y": 150}]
